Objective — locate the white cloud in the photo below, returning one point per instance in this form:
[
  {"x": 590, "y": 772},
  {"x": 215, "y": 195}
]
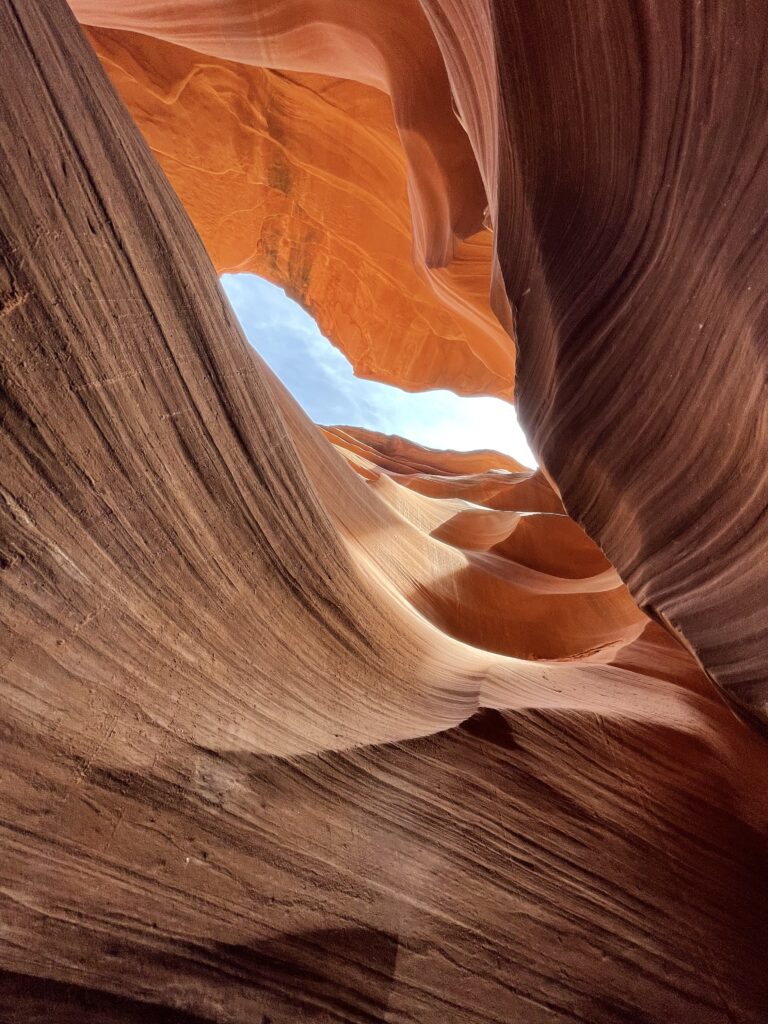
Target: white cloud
[{"x": 321, "y": 379}]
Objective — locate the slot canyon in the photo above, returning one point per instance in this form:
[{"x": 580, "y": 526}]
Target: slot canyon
[{"x": 307, "y": 723}]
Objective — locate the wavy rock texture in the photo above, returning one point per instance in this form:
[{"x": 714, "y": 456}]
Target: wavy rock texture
[
  {"x": 355, "y": 731},
  {"x": 624, "y": 160},
  {"x": 623, "y": 164},
  {"x": 302, "y": 178},
  {"x": 477, "y": 554}
]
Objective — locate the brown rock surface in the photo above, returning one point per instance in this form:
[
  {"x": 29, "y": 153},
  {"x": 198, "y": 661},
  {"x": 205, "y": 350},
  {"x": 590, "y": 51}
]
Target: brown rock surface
[
  {"x": 281, "y": 736},
  {"x": 622, "y": 156}
]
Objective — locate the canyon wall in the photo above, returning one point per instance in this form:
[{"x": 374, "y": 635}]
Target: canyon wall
[
  {"x": 321, "y": 725},
  {"x": 618, "y": 154}
]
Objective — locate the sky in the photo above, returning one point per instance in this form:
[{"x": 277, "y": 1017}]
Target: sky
[{"x": 321, "y": 379}]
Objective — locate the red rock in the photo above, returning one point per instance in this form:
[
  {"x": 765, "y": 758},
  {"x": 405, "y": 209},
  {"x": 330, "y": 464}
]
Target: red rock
[{"x": 281, "y": 736}]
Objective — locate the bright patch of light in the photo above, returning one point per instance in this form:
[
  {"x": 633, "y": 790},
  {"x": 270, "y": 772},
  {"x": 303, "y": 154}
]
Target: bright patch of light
[{"x": 322, "y": 381}]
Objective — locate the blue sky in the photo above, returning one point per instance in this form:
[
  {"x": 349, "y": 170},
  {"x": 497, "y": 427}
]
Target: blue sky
[{"x": 321, "y": 380}]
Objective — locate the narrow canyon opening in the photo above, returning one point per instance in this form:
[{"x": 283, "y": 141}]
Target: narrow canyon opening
[
  {"x": 322, "y": 380},
  {"x": 323, "y": 723}
]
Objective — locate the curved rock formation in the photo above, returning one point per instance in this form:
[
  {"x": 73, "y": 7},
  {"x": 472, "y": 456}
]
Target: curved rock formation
[
  {"x": 302, "y": 179},
  {"x": 611, "y": 148},
  {"x": 624, "y": 161},
  {"x": 474, "y": 553},
  {"x": 356, "y": 731}
]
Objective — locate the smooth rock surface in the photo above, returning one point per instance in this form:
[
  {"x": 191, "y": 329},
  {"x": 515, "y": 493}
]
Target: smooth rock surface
[
  {"x": 619, "y": 155},
  {"x": 281, "y": 736},
  {"x": 302, "y": 178}
]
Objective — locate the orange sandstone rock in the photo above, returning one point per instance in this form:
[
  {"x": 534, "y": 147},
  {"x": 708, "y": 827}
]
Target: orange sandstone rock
[
  {"x": 302, "y": 179},
  {"x": 280, "y": 739}
]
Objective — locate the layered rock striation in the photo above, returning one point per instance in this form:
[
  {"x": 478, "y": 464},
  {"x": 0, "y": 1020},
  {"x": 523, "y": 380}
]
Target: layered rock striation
[
  {"x": 322, "y": 725},
  {"x": 620, "y": 160}
]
